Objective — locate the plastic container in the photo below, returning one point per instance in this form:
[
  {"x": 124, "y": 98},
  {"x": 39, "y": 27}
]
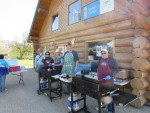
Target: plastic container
[
  {"x": 75, "y": 105},
  {"x": 42, "y": 84}
]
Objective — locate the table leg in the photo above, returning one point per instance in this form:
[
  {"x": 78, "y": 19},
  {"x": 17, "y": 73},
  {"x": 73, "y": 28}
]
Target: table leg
[
  {"x": 99, "y": 104},
  {"x": 71, "y": 99},
  {"x": 21, "y": 78}
]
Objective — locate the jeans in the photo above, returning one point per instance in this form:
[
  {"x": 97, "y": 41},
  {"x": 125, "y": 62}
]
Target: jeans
[
  {"x": 110, "y": 108},
  {"x": 2, "y": 83}
]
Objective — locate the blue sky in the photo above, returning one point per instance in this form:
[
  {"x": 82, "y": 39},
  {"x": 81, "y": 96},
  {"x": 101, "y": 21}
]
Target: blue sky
[{"x": 16, "y": 18}]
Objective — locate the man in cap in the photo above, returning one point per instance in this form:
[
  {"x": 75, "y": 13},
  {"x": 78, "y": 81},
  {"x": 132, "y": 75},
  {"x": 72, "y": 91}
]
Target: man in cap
[{"x": 71, "y": 60}]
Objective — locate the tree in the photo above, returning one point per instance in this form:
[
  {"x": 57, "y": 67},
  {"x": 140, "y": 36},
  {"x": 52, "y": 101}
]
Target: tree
[
  {"x": 22, "y": 48},
  {"x": 5, "y": 47}
]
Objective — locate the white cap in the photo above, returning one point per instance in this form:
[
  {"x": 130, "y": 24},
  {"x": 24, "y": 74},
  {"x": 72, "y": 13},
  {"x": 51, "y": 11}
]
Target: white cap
[
  {"x": 105, "y": 50},
  {"x": 57, "y": 50}
]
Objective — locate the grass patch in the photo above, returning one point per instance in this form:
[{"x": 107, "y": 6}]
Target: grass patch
[{"x": 26, "y": 63}]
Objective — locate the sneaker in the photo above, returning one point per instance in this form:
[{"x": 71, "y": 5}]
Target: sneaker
[{"x": 102, "y": 107}]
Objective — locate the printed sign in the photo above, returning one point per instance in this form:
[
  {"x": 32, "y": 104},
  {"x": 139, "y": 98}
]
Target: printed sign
[
  {"x": 91, "y": 10},
  {"x": 106, "y": 6}
]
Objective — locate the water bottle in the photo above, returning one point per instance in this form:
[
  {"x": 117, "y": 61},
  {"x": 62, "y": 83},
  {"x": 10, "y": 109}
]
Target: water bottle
[
  {"x": 75, "y": 105},
  {"x": 42, "y": 84}
]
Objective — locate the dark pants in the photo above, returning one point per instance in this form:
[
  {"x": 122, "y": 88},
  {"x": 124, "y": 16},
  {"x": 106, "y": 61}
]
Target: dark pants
[{"x": 66, "y": 87}]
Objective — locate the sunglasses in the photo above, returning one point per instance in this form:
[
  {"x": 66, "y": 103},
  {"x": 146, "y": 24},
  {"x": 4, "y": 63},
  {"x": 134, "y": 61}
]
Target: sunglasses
[{"x": 103, "y": 53}]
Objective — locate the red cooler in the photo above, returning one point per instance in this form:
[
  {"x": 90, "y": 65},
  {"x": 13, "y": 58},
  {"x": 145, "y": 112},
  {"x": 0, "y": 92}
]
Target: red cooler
[{"x": 14, "y": 68}]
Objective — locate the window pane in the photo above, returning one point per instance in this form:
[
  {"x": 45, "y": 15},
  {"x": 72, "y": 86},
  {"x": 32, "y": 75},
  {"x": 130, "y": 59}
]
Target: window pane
[
  {"x": 55, "y": 23},
  {"x": 94, "y": 48},
  {"x": 74, "y": 12}
]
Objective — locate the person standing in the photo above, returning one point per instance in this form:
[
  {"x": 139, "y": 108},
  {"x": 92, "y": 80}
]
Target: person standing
[
  {"x": 47, "y": 60},
  {"x": 38, "y": 64},
  {"x": 58, "y": 58},
  {"x": 107, "y": 66},
  {"x": 71, "y": 60},
  {"x": 70, "y": 64},
  {"x": 3, "y": 72}
]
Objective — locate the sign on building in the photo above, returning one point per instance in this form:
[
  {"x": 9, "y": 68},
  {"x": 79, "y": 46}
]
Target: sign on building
[{"x": 96, "y": 8}]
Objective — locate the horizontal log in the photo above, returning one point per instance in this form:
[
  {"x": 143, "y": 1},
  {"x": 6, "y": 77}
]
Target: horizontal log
[
  {"x": 141, "y": 53},
  {"x": 123, "y": 49},
  {"x": 117, "y": 34},
  {"x": 93, "y": 25},
  {"x": 138, "y": 92},
  {"x": 61, "y": 42},
  {"x": 121, "y": 9},
  {"x": 124, "y": 42},
  {"x": 141, "y": 42},
  {"x": 124, "y": 65},
  {"x": 81, "y": 50},
  {"x": 139, "y": 102},
  {"x": 136, "y": 8},
  {"x": 140, "y": 74},
  {"x": 123, "y": 57},
  {"x": 141, "y": 33},
  {"x": 97, "y": 30},
  {"x": 140, "y": 64},
  {"x": 34, "y": 38}
]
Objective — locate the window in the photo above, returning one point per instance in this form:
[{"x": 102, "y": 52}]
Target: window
[
  {"x": 55, "y": 23},
  {"x": 62, "y": 48},
  {"x": 94, "y": 48},
  {"x": 74, "y": 12}
]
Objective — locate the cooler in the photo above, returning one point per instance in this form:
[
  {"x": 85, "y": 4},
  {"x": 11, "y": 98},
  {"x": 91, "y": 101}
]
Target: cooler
[
  {"x": 14, "y": 68},
  {"x": 13, "y": 65}
]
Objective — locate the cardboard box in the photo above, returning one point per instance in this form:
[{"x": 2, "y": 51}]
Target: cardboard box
[
  {"x": 123, "y": 74},
  {"x": 14, "y": 68}
]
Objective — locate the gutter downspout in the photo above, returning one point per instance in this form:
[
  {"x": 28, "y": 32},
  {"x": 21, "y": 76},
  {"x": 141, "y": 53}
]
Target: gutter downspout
[{"x": 36, "y": 11}]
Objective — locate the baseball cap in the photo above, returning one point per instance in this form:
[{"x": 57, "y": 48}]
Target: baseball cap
[
  {"x": 105, "y": 50},
  {"x": 69, "y": 44},
  {"x": 57, "y": 51}
]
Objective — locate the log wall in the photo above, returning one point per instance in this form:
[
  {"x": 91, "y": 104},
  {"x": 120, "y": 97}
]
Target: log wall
[{"x": 128, "y": 25}]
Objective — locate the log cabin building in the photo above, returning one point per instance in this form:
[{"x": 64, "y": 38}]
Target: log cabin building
[{"x": 122, "y": 26}]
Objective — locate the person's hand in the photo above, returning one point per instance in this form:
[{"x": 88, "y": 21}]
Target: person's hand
[{"x": 108, "y": 77}]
